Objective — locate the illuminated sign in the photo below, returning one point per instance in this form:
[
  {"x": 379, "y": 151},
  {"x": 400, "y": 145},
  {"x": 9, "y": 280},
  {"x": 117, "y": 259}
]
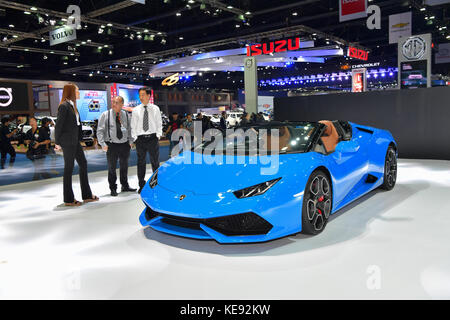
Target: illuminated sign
[
  {"x": 358, "y": 53},
  {"x": 352, "y": 9},
  {"x": 359, "y": 80},
  {"x": 6, "y": 97},
  {"x": 273, "y": 47},
  {"x": 170, "y": 81}
]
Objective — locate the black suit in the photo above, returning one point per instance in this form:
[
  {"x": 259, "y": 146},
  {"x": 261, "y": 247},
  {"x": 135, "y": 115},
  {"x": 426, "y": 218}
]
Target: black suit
[{"x": 68, "y": 135}]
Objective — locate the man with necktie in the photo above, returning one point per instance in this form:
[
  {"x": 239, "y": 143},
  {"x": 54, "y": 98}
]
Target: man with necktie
[
  {"x": 114, "y": 135},
  {"x": 146, "y": 129}
]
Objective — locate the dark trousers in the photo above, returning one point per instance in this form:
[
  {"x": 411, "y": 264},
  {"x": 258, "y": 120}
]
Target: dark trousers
[
  {"x": 121, "y": 152},
  {"x": 72, "y": 153},
  {"x": 7, "y": 148},
  {"x": 146, "y": 145}
]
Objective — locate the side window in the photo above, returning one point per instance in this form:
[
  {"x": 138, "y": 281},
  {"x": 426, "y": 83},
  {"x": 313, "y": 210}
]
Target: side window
[{"x": 320, "y": 148}]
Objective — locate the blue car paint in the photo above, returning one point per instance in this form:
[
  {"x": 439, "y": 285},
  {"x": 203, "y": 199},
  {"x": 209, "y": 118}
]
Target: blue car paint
[{"x": 208, "y": 189}]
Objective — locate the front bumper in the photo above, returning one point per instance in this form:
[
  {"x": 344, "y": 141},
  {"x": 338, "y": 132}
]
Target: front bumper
[{"x": 222, "y": 218}]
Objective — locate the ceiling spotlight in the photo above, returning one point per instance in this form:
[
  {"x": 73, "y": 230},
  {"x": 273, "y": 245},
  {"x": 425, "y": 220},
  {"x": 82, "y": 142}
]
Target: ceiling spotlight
[
  {"x": 100, "y": 30},
  {"x": 178, "y": 14},
  {"x": 90, "y": 74},
  {"x": 11, "y": 26},
  {"x": 45, "y": 57},
  {"x": 27, "y": 12},
  {"x": 181, "y": 38},
  {"x": 110, "y": 52},
  {"x": 109, "y": 25},
  {"x": 294, "y": 13},
  {"x": 33, "y": 9},
  {"x": 52, "y": 22},
  {"x": 139, "y": 36},
  {"x": 163, "y": 41}
]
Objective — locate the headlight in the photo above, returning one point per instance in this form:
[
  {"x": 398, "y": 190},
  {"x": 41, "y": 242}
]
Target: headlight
[
  {"x": 255, "y": 190},
  {"x": 154, "y": 180}
]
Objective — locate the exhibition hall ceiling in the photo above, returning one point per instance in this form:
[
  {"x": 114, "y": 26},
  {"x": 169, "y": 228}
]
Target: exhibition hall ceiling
[{"x": 141, "y": 36}]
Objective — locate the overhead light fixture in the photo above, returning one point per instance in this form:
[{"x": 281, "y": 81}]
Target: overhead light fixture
[
  {"x": 27, "y": 12},
  {"x": 33, "y": 9},
  {"x": 11, "y": 26},
  {"x": 294, "y": 13},
  {"x": 109, "y": 25},
  {"x": 178, "y": 14}
]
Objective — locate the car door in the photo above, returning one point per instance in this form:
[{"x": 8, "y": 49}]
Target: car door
[{"x": 349, "y": 165}]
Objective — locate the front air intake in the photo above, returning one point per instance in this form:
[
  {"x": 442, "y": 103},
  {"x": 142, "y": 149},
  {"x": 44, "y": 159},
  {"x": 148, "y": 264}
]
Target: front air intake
[{"x": 239, "y": 224}]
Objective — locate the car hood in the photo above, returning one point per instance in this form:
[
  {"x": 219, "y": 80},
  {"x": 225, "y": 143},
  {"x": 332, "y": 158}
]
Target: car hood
[{"x": 221, "y": 176}]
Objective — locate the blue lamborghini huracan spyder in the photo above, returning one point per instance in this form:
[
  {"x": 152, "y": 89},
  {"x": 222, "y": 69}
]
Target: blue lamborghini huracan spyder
[{"x": 233, "y": 197}]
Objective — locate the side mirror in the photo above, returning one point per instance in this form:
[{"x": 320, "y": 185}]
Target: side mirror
[{"x": 347, "y": 147}]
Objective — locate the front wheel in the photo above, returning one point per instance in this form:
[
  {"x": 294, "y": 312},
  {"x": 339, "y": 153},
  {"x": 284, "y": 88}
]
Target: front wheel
[
  {"x": 390, "y": 169},
  {"x": 317, "y": 202}
]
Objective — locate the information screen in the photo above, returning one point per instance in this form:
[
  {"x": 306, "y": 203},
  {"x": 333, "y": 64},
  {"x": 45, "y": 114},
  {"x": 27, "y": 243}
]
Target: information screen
[
  {"x": 92, "y": 104},
  {"x": 130, "y": 97},
  {"x": 414, "y": 74}
]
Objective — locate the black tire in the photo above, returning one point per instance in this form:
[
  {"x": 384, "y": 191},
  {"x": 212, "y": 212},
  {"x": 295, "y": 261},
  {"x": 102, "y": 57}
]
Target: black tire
[
  {"x": 390, "y": 170},
  {"x": 317, "y": 203}
]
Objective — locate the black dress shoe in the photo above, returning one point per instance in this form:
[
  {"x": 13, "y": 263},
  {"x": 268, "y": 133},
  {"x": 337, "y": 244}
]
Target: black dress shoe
[
  {"x": 114, "y": 193},
  {"x": 128, "y": 189}
]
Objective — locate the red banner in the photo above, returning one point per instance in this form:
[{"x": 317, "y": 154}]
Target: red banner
[{"x": 352, "y": 9}]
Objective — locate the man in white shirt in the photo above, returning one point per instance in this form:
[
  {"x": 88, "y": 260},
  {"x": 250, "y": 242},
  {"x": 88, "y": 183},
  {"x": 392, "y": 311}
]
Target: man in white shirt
[{"x": 146, "y": 129}]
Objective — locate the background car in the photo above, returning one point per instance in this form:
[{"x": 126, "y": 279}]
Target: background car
[{"x": 312, "y": 170}]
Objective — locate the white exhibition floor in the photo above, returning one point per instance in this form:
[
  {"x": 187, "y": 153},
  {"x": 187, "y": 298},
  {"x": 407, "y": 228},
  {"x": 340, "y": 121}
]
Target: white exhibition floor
[{"x": 389, "y": 245}]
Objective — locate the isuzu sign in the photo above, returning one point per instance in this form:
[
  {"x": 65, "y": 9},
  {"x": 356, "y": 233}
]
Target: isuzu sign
[
  {"x": 273, "y": 47},
  {"x": 6, "y": 97},
  {"x": 352, "y": 9},
  {"x": 61, "y": 35},
  {"x": 357, "y": 53}
]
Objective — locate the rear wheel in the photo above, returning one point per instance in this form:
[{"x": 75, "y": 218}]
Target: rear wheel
[
  {"x": 317, "y": 202},
  {"x": 390, "y": 169}
]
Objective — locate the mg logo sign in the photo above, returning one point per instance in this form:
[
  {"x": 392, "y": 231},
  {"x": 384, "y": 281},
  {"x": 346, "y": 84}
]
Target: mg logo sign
[
  {"x": 6, "y": 97},
  {"x": 414, "y": 48}
]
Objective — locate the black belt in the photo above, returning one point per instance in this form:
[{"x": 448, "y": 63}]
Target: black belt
[{"x": 153, "y": 135}]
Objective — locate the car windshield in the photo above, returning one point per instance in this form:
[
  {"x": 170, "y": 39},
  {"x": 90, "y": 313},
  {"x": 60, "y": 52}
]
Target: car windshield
[{"x": 262, "y": 139}]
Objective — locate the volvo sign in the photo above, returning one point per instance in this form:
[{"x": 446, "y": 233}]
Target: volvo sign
[
  {"x": 6, "y": 97},
  {"x": 62, "y": 35}
]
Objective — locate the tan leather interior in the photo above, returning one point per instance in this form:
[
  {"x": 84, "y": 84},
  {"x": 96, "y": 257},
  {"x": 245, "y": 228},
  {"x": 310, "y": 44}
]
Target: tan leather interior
[
  {"x": 330, "y": 138},
  {"x": 283, "y": 140}
]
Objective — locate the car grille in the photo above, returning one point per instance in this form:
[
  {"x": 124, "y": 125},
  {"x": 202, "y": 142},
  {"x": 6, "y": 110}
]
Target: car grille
[
  {"x": 87, "y": 133},
  {"x": 234, "y": 225}
]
